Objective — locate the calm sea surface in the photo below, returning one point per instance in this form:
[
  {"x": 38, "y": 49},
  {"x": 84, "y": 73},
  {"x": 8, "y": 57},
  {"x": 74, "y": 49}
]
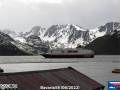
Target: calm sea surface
[{"x": 98, "y": 68}]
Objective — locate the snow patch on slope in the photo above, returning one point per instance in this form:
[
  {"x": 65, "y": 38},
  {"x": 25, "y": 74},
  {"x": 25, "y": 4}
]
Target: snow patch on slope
[
  {"x": 20, "y": 39},
  {"x": 95, "y": 33}
]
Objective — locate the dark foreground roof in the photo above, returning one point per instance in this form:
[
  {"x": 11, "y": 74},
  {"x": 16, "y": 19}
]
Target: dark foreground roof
[{"x": 57, "y": 77}]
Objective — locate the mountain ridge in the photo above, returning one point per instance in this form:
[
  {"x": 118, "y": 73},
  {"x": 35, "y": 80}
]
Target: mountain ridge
[{"x": 67, "y": 36}]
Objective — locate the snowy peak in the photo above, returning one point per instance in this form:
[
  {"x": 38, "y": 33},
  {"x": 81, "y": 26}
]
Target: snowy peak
[
  {"x": 76, "y": 27},
  {"x": 69, "y": 28},
  {"x": 36, "y": 30},
  {"x": 110, "y": 27},
  {"x": 66, "y": 35}
]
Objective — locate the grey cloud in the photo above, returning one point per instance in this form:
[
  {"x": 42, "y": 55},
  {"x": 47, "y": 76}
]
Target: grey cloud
[{"x": 86, "y": 13}]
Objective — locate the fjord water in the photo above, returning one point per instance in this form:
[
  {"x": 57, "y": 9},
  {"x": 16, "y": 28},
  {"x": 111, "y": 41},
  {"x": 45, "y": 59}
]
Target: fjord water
[{"x": 98, "y": 68}]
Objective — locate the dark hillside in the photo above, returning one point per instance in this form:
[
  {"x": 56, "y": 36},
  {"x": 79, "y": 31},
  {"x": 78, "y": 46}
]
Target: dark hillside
[{"x": 108, "y": 44}]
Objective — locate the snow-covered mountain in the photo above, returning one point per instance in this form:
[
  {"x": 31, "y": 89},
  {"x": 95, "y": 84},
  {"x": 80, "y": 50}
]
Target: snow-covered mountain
[
  {"x": 36, "y": 31},
  {"x": 65, "y": 36},
  {"x": 70, "y": 35},
  {"x": 8, "y": 46},
  {"x": 35, "y": 34},
  {"x": 30, "y": 44},
  {"x": 61, "y": 36},
  {"x": 108, "y": 28}
]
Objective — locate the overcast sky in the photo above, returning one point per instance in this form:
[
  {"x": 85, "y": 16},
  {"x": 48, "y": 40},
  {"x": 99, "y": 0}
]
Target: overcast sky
[{"x": 22, "y": 15}]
